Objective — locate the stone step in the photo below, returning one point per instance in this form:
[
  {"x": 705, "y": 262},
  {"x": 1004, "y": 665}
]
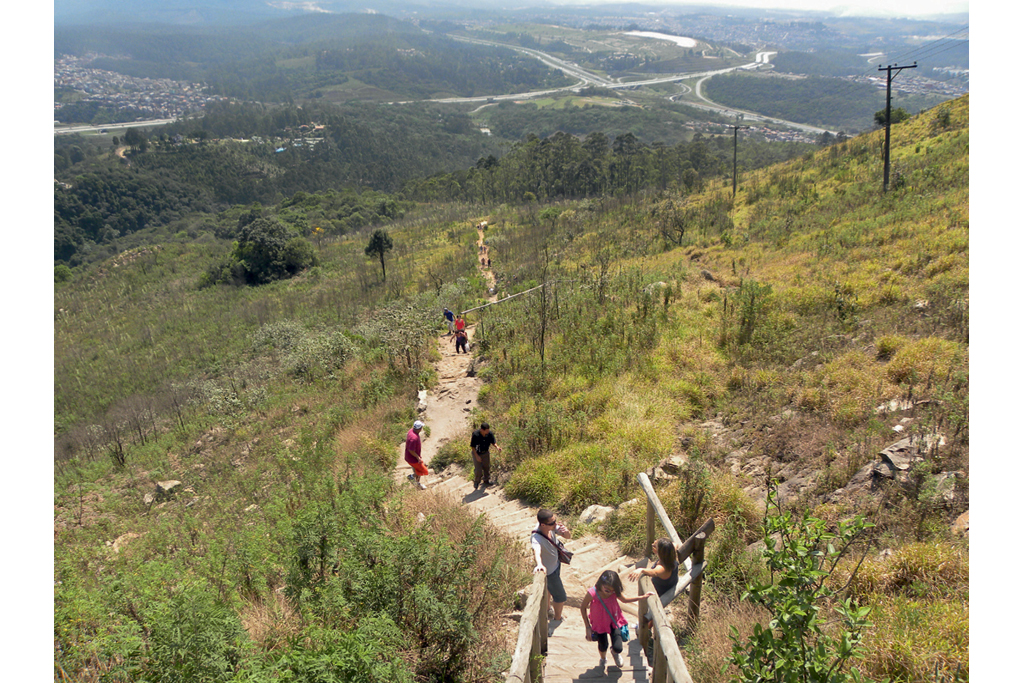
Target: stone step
[
  {"x": 585, "y": 549},
  {"x": 509, "y": 509},
  {"x": 616, "y": 565}
]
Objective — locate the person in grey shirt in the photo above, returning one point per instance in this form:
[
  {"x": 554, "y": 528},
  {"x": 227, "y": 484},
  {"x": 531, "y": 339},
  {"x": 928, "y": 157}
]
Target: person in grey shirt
[{"x": 542, "y": 539}]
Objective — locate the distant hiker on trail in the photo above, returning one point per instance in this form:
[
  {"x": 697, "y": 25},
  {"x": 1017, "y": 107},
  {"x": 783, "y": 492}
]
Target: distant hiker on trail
[
  {"x": 449, "y": 318},
  {"x": 480, "y": 448},
  {"x": 460, "y": 339},
  {"x": 412, "y": 454},
  {"x": 545, "y": 550},
  {"x": 605, "y": 621},
  {"x": 664, "y": 574},
  {"x": 460, "y": 323}
]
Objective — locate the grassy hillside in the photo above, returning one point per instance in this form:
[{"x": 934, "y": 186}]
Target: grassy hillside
[{"x": 754, "y": 336}]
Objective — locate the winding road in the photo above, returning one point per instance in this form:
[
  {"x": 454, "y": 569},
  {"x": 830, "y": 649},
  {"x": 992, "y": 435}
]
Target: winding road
[{"x": 588, "y": 78}]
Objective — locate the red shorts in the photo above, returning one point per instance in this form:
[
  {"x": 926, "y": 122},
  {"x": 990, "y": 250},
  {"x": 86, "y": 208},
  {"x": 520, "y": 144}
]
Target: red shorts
[{"x": 419, "y": 468}]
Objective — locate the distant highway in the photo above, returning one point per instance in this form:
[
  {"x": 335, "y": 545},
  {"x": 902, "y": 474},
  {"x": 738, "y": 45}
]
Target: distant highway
[
  {"x": 110, "y": 126},
  {"x": 587, "y": 78}
]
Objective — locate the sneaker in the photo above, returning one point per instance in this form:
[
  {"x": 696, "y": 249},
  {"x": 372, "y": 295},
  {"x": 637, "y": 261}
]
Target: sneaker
[
  {"x": 618, "y": 659},
  {"x": 423, "y": 487},
  {"x": 411, "y": 478},
  {"x": 551, "y": 612},
  {"x": 600, "y": 662}
]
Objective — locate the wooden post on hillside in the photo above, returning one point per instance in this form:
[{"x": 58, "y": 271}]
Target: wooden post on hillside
[{"x": 693, "y": 607}]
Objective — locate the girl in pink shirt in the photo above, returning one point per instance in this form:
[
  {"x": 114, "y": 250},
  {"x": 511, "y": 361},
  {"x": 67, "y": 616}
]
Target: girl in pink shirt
[{"x": 602, "y": 615}]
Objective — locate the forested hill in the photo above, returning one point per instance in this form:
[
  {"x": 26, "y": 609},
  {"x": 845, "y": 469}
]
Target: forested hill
[
  {"x": 336, "y": 57},
  {"x": 789, "y": 333},
  {"x": 245, "y": 153}
]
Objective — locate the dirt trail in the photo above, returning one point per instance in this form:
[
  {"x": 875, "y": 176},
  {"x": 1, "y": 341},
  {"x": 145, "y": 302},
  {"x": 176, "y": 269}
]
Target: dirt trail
[{"x": 447, "y": 407}]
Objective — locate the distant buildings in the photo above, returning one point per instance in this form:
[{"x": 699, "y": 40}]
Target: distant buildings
[{"x": 150, "y": 97}]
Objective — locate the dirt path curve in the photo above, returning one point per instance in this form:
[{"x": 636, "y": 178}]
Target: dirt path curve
[{"x": 447, "y": 407}]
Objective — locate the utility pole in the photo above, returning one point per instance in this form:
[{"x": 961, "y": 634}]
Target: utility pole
[
  {"x": 888, "y": 113},
  {"x": 735, "y": 132}
]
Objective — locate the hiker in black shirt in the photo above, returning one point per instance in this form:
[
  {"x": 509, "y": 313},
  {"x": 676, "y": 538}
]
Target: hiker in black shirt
[{"x": 480, "y": 448}]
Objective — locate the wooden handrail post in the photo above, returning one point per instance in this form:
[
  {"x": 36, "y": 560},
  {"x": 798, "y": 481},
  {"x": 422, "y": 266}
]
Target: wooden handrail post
[
  {"x": 693, "y": 607},
  {"x": 528, "y": 659},
  {"x": 650, "y": 530},
  {"x": 643, "y": 628},
  {"x": 542, "y": 620},
  {"x": 536, "y": 658},
  {"x": 660, "y": 664}
]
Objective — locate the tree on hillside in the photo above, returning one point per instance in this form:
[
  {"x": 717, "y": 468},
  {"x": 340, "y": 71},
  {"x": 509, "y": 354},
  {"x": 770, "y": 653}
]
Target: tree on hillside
[
  {"x": 266, "y": 251},
  {"x": 380, "y": 244},
  {"x": 136, "y": 140},
  {"x": 898, "y": 114}
]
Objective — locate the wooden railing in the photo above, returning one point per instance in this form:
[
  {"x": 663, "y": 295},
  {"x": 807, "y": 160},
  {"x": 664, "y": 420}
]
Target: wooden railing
[
  {"x": 667, "y": 661},
  {"x": 532, "y": 645},
  {"x": 528, "y": 659}
]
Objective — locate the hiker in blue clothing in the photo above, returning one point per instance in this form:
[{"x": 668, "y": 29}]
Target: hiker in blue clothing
[{"x": 449, "y": 318}]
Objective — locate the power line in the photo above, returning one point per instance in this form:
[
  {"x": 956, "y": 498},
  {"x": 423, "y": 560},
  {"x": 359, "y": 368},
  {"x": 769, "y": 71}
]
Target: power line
[{"x": 914, "y": 53}]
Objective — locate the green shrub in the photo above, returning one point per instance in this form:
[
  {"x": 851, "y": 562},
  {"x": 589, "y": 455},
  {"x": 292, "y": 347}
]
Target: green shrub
[
  {"x": 796, "y": 646},
  {"x": 536, "y": 482},
  {"x": 194, "y": 637},
  {"x": 283, "y": 335},
  {"x": 366, "y": 654},
  {"x": 61, "y": 273},
  {"x": 453, "y": 452},
  {"x": 887, "y": 345}
]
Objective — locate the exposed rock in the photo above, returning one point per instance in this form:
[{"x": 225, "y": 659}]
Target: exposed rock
[
  {"x": 962, "y": 525},
  {"x": 148, "y": 499},
  {"x": 122, "y": 539},
  {"x": 946, "y": 484},
  {"x": 654, "y": 286},
  {"x": 657, "y": 474},
  {"x": 905, "y": 452},
  {"x": 894, "y": 406},
  {"x": 522, "y": 596},
  {"x": 673, "y": 464},
  {"x": 595, "y": 513},
  {"x": 631, "y": 501},
  {"x": 706, "y": 274},
  {"x": 252, "y": 508},
  {"x": 166, "y": 489},
  {"x": 421, "y": 407}
]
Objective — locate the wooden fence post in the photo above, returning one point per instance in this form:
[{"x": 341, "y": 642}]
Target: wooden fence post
[
  {"x": 660, "y": 673},
  {"x": 536, "y": 658},
  {"x": 693, "y": 607}
]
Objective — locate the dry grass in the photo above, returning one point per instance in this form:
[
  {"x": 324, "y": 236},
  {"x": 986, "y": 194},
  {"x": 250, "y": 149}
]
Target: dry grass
[
  {"x": 707, "y": 649},
  {"x": 270, "y": 622},
  {"x": 937, "y": 570}
]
